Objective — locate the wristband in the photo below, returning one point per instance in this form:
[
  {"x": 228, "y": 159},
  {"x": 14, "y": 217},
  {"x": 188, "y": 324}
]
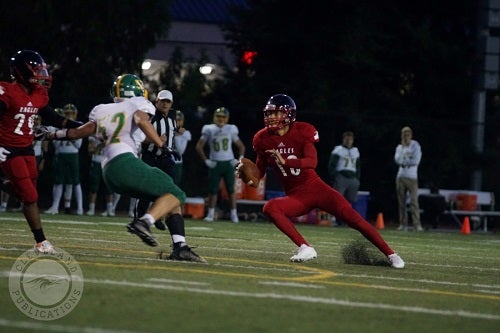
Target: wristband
[{"x": 61, "y": 134}]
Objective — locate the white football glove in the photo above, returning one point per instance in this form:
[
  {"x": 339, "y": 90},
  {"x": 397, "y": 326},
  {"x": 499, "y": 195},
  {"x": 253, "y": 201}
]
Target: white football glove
[
  {"x": 234, "y": 163},
  {"x": 41, "y": 133},
  {"x": 3, "y": 154},
  {"x": 211, "y": 164}
]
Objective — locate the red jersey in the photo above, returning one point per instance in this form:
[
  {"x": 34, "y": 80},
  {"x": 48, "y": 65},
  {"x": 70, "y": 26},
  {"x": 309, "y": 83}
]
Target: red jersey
[
  {"x": 296, "y": 147},
  {"x": 18, "y": 121}
]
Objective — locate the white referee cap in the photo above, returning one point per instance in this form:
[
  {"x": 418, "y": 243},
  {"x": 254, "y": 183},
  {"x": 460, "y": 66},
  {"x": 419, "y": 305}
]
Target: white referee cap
[{"x": 165, "y": 94}]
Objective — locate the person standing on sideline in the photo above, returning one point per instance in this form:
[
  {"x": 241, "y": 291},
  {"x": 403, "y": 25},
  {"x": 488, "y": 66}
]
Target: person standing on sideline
[
  {"x": 164, "y": 124},
  {"x": 95, "y": 180},
  {"x": 220, "y": 137},
  {"x": 344, "y": 168},
  {"x": 20, "y": 103},
  {"x": 287, "y": 146},
  {"x": 67, "y": 170},
  {"x": 126, "y": 174},
  {"x": 407, "y": 156},
  {"x": 181, "y": 139}
]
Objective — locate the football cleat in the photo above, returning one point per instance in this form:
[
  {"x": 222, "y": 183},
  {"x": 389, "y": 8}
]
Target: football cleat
[
  {"x": 52, "y": 211},
  {"x": 208, "y": 219},
  {"x": 304, "y": 253},
  {"x": 160, "y": 225},
  {"x": 44, "y": 247},
  {"x": 396, "y": 261},
  {"x": 234, "y": 218},
  {"x": 141, "y": 229},
  {"x": 184, "y": 253}
]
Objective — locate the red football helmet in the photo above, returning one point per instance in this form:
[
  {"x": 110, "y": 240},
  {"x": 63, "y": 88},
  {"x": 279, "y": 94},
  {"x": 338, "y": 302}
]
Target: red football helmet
[
  {"x": 28, "y": 68},
  {"x": 283, "y": 103}
]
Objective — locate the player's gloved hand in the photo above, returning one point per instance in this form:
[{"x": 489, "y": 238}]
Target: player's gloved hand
[
  {"x": 41, "y": 133},
  {"x": 3, "y": 154},
  {"x": 170, "y": 152},
  {"x": 238, "y": 167},
  {"x": 211, "y": 164}
]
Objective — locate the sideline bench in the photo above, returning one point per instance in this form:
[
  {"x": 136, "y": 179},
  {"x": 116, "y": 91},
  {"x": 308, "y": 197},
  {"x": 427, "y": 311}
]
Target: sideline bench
[{"x": 485, "y": 205}]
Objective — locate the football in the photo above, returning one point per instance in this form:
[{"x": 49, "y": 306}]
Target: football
[{"x": 249, "y": 173}]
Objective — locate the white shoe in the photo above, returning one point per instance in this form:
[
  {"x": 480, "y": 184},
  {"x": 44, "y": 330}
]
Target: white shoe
[
  {"x": 105, "y": 213},
  {"x": 208, "y": 219},
  {"x": 52, "y": 211},
  {"x": 304, "y": 253},
  {"x": 44, "y": 247},
  {"x": 130, "y": 213},
  {"x": 90, "y": 212},
  {"x": 402, "y": 228},
  {"x": 3, "y": 209},
  {"x": 396, "y": 261},
  {"x": 79, "y": 212},
  {"x": 234, "y": 218}
]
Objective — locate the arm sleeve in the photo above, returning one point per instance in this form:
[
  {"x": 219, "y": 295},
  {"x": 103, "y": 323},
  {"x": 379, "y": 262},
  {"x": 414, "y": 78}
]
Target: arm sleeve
[
  {"x": 308, "y": 161},
  {"x": 261, "y": 164},
  {"x": 52, "y": 118},
  {"x": 398, "y": 155},
  {"x": 416, "y": 155}
]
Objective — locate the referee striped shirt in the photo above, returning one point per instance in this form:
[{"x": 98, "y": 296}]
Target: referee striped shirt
[{"x": 163, "y": 125}]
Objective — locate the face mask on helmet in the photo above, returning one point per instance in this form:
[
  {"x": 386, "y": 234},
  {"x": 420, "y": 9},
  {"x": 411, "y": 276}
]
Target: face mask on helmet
[
  {"x": 221, "y": 116},
  {"x": 280, "y": 111},
  {"x": 127, "y": 86},
  {"x": 28, "y": 68},
  {"x": 70, "y": 111}
]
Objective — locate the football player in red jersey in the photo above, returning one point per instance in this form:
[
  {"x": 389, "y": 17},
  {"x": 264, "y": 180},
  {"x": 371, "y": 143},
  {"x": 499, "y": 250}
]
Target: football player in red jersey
[
  {"x": 287, "y": 146},
  {"x": 20, "y": 103}
]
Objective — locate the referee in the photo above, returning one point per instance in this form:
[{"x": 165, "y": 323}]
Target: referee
[{"x": 165, "y": 126}]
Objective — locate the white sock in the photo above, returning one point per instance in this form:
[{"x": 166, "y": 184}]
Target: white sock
[
  {"x": 211, "y": 212},
  {"x": 57, "y": 191},
  {"x": 148, "y": 218},
  {"x": 132, "y": 203},
  {"x": 116, "y": 198},
  {"x": 92, "y": 207},
  {"x": 178, "y": 238},
  {"x": 78, "y": 197},
  {"x": 234, "y": 212}
]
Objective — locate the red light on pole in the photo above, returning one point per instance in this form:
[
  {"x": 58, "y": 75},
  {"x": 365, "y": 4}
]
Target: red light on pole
[{"x": 248, "y": 57}]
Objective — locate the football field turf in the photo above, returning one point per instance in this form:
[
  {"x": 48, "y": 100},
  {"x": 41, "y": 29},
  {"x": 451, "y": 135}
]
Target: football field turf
[{"x": 451, "y": 282}]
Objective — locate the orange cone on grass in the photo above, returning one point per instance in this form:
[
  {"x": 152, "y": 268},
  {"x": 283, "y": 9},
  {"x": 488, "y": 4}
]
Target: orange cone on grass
[
  {"x": 466, "y": 226},
  {"x": 379, "y": 224}
]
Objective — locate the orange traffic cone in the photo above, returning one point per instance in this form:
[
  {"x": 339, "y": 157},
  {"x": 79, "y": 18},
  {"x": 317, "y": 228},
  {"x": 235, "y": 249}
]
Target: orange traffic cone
[
  {"x": 466, "y": 226},
  {"x": 379, "y": 224}
]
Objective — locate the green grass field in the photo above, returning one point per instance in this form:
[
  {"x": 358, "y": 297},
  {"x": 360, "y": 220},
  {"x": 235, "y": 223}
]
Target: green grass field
[{"x": 451, "y": 282}]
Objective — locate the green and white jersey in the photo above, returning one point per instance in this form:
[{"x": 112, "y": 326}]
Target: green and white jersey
[
  {"x": 67, "y": 146},
  {"x": 116, "y": 126},
  {"x": 348, "y": 158},
  {"x": 220, "y": 141}
]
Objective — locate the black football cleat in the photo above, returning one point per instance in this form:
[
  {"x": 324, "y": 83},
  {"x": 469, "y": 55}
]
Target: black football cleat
[
  {"x": 184, "y": 253},
  {"x": 160, "y": 225},
  {"x": 141, "y": 229}
]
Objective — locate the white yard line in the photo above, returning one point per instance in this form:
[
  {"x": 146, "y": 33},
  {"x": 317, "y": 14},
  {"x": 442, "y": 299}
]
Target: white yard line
[
  {"x": 308, "y": 299},
  {"x": 46, "y": 327}
]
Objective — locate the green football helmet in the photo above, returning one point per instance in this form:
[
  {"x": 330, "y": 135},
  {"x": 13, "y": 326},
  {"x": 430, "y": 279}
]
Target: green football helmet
[{"x": 127, "y": 86}]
